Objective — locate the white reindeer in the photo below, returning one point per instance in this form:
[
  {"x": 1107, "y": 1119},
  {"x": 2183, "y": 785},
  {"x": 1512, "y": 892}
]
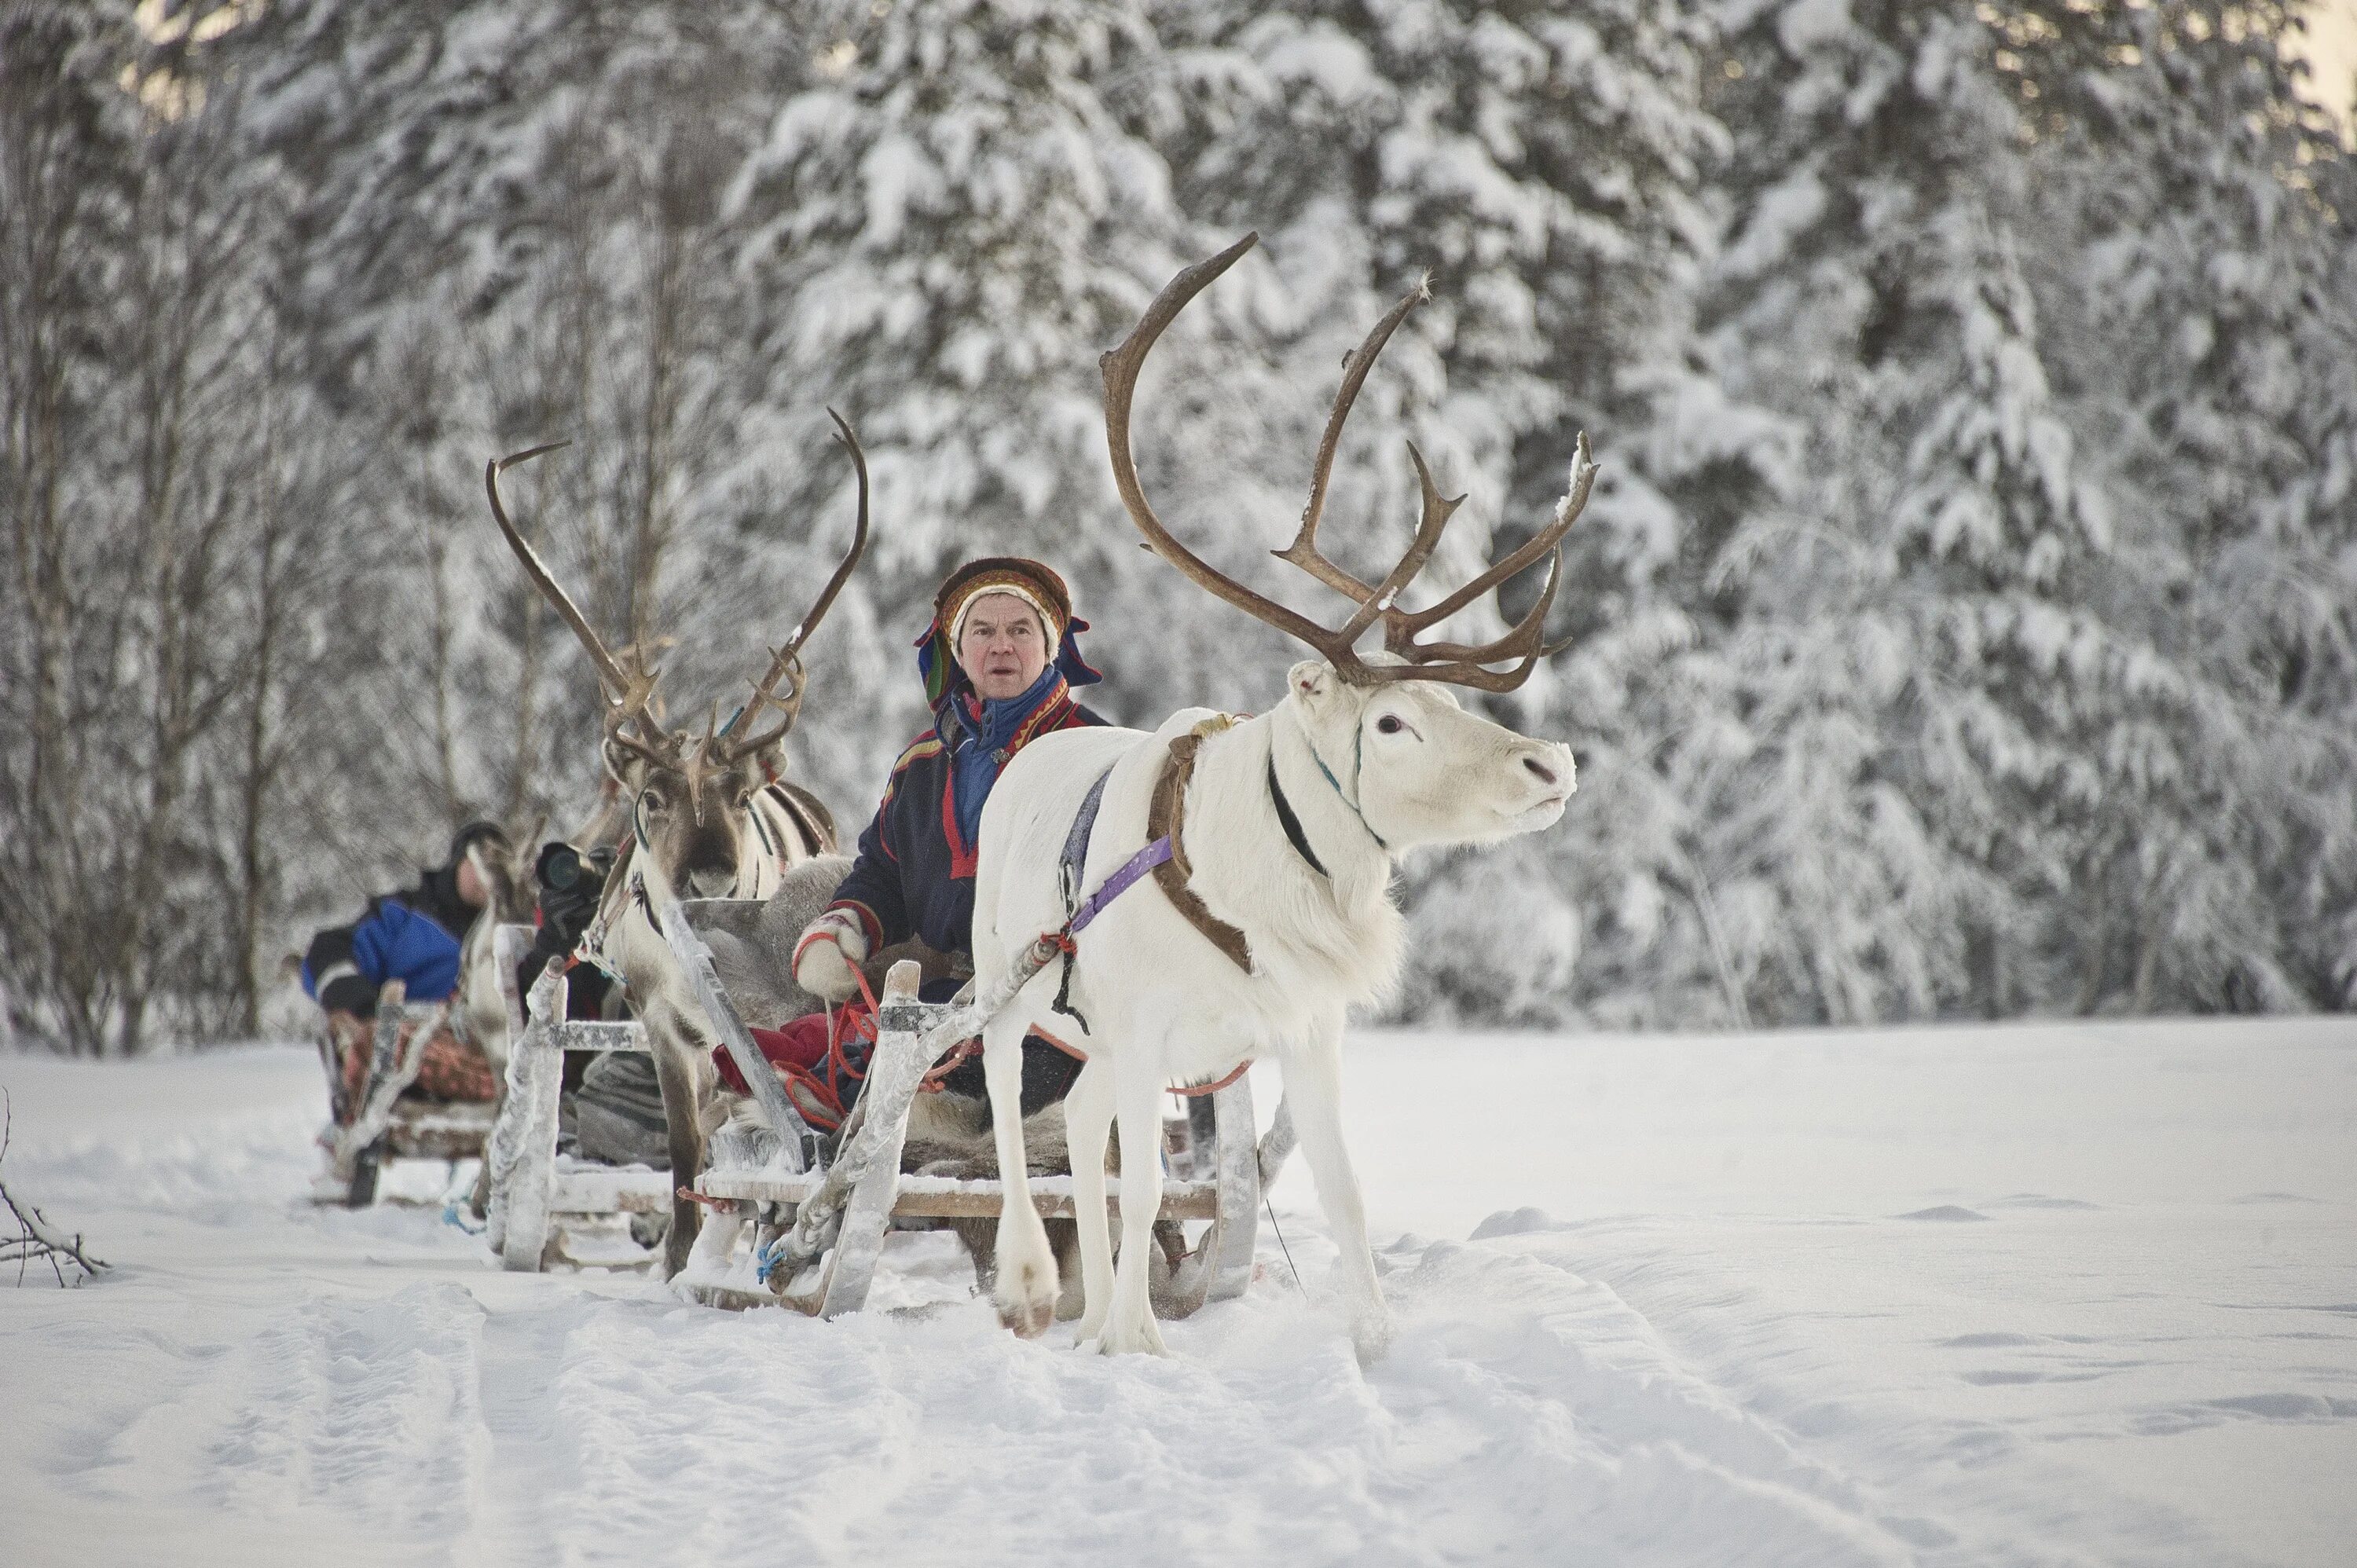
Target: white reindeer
[
  {"x": 1285, "y": 839},
  {"x": 709, "y": 819}
]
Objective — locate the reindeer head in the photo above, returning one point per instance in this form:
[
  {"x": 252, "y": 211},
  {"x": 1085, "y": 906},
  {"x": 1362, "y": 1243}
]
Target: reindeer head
[
  {"x": 690, "y": 805},
  {"x": 1387, "y": 734},
  {"x": 689, "y": 797},
  {"x": 1419, "y": 769}
]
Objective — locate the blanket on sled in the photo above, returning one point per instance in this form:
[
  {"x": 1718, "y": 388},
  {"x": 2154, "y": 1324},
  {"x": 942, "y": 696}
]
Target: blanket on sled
[
  {"x": 451, "y": 1070},
  {"x": 823, "y": 1065}
]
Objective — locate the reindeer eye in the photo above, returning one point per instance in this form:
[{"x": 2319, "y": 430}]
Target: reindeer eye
[
  {"x": 652, "y": 802},
  {"x": 1388, "y": 724}
]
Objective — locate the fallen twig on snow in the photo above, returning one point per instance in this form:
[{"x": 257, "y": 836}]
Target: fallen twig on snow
[{"x": 36, "y": 1241}]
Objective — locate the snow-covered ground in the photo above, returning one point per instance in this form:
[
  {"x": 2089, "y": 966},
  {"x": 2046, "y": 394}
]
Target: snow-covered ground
[{"x": 2078, "y": 1293}]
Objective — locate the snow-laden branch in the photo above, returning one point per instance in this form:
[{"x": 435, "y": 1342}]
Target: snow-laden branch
[{"x": 36, "y": 1241}]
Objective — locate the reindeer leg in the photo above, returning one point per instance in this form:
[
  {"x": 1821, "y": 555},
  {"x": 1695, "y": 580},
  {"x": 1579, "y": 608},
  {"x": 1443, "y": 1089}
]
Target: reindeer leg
[
  {"x": 1129, "y": 1325},
  {"x": 1088, "y": 1117},
  {"x": 1027, "y": 1285},
  {"x": 676, "y": 1076},
  {"x": 1313, "y": 1090},
  {"x": 478, "y": 1202}
]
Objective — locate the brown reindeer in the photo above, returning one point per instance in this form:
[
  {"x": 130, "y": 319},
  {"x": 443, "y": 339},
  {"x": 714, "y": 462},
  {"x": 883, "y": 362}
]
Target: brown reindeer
[{"x": 710, "y": 817}]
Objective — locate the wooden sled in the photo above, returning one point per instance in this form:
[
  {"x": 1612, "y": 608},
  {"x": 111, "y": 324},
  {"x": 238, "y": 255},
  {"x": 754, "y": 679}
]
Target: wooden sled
[
  {"x": 537, "y": 1201},
  {"x": 821, "y": 1207},
  {"x": 360, "y": 1140}
]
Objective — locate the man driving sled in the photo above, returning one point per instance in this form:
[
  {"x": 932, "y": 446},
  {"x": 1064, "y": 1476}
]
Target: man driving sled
[{"x": 999, "y": 662}]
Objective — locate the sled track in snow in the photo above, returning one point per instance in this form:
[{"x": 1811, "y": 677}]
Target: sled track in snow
[{"x": 260, "y": 1379}]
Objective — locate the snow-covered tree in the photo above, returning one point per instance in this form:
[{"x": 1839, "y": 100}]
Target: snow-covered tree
[
  {"x": 2199, "y": 216},
  {"x": 939, "y": 235},
  {"x": 1545, "y": 165}
]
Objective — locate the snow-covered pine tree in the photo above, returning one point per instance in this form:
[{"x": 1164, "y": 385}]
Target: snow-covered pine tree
[
  {"x": 1543, "y": 165},
  {"x": 2200, "y": 218},
  {"x": 1923, "y": 683},
  {"x": 939, "y": 236}
]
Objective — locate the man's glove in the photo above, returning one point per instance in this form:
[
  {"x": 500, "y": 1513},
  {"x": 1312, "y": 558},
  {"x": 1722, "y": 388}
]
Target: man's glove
[{"x": 824, "y": 958}]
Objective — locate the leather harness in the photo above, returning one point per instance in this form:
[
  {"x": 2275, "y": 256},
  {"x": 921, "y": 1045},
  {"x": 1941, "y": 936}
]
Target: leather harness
[
  {"x": 1165, "y": 819},
  {"x": 1164, "y": 856}
]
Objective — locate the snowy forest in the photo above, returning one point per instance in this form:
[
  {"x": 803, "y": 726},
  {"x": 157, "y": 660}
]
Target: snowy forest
[{"x": 1964, "y": 624}]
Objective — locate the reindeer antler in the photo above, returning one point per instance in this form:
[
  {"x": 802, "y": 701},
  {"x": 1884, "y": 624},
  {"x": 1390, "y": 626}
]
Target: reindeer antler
[
  {"x": 1461, "y": 664},
  {"x": 790, "y": 656},
  {"x": 628, "y": 683}
]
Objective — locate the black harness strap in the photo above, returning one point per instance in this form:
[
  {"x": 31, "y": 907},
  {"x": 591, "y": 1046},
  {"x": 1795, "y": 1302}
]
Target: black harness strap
[
  {"x": 1291, "y": 823},
  {"x": 1068, "y": 875}
]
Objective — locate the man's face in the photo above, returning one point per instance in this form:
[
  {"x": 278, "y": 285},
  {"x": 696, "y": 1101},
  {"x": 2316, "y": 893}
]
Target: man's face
[
  {"x": 471, "y": 891},
  {"x": 1002, "y": 648}
]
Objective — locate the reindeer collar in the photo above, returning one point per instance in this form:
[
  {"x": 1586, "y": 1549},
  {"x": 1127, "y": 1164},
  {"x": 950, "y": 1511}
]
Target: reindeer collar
[
  {"x": 1291, "y": 823},
  {"x": 1359, "y": 767}
]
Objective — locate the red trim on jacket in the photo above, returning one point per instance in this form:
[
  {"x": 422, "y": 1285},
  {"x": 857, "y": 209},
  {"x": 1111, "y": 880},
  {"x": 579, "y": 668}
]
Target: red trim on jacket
[{"x": 963, "y": 857}]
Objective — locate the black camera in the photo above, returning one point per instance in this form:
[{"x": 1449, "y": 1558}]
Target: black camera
[{"x": 562, "y": 868}]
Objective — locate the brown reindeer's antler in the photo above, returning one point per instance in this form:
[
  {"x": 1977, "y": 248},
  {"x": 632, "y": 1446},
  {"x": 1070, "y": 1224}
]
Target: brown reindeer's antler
[
  {"x": 630, "y": 684},
  {"x": 1461, "y": 664},
  {"x": 789, "y": 657}
]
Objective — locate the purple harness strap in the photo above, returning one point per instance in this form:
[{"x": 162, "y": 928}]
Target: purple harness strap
[
  {"x": 1119, "y": 882},
  {"x": 1076, "y": 851}
]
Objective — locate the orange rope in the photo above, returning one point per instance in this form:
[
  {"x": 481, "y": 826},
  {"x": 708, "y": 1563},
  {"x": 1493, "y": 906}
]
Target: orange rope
[{"x": 1194, "y": 1090}]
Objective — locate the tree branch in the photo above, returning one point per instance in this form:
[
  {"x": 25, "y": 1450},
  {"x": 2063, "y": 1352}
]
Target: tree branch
[{"x": 36, "y": 1241}]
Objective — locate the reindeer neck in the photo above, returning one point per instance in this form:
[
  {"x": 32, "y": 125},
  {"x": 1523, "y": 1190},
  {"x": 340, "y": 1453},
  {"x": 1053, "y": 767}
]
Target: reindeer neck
[
  {"x": 1312, "y": 787},
  {"x": 1237, "y": 841},
  {"x": 636, "y": 877}
]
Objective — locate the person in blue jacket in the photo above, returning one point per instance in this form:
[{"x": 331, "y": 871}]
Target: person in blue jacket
[{"x": 413, "y": 936}]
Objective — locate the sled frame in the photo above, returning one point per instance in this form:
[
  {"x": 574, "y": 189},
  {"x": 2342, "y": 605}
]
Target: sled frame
[
  {"x": 835, "y": 1213},
  {"x": 529, "y": 1200},
  {"x": 382, "y": 1126},
  {"x": 828, "y": 1204}
]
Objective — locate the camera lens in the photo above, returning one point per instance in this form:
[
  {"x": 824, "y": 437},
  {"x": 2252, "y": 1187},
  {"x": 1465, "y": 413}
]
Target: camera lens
[{"x": 560, "y": 868}]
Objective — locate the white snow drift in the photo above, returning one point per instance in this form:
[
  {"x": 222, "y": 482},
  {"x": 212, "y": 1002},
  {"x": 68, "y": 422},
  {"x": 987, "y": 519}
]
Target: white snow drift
[{"x": 2081, "y": 1294}]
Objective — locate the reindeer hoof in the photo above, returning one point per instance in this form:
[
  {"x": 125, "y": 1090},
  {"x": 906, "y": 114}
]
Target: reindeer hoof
[
  {"x": 1026, "y": 1298},
  {"x": 1140, "y": 1337},
  {"x": 1371, "y": 1337},
  {"x": 1029, "y": 1319},
  {"x": 1027, "y": 1284}
]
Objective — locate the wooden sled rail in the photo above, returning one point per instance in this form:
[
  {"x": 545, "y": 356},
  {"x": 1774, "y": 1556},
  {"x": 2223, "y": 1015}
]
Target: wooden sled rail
[
  {"x": 835, "y": 1200},
  {"x": 948, "y": 1198}
]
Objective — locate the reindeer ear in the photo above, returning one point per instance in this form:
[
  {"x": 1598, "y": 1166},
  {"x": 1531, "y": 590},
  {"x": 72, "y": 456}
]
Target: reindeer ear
[
  {"x": 765, "y": 765},
  {"x": 1312, "y": 682},
  {"x": 617, "y": 761}
]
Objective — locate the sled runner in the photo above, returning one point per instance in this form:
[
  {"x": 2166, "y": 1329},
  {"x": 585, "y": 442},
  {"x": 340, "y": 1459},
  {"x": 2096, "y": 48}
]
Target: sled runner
[
  {"x": 373, "y": 1121},
  {"x": 821, "y": 1204}
]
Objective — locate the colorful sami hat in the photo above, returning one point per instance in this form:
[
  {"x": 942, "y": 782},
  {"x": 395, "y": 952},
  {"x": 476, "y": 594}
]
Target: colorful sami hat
[{"x": 1035, "y": 585}]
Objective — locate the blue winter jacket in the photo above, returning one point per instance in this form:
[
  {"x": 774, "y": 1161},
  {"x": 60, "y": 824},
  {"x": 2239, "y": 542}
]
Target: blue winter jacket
[{"x": 413, "y": 936}]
